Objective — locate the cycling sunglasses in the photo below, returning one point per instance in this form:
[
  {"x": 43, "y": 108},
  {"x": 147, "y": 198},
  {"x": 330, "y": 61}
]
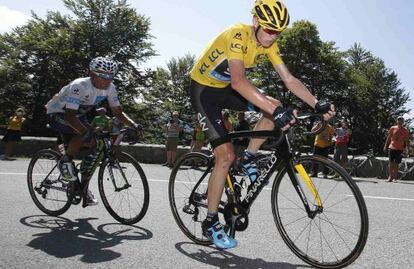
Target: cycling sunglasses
[
  {"x": 271, "y": 32},
  {"x": 104, "y": 75}
]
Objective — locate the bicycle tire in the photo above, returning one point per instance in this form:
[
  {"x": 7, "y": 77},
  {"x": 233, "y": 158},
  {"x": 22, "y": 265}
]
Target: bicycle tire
[
  {"x": 296, "y": 214},
  {"x": 139, "y": 185},
  {"x": 186, "y": 173},
  {"x": 45, "y": 196}
]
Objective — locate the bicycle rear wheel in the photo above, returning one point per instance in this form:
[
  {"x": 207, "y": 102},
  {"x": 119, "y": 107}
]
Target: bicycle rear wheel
[
  {"x": 124, "y": 188},
  {"x": 187, "y": 192},
  {"x": 336, "y": 236},
  {"x": 46, "y": 187}
]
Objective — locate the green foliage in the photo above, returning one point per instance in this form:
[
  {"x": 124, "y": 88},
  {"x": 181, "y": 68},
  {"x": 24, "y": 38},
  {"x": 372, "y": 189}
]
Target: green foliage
[
  {"x": 38, "y": 59},
  {"x": 375, "y": 99},
  {"x": 363, "y": 90},
  {"x": 167, "y": 92}
]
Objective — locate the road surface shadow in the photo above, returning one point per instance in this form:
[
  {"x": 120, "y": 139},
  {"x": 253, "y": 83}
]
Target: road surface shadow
[
  {"x": 66, "y": 238},
  {"x": 227, "y": 260}
]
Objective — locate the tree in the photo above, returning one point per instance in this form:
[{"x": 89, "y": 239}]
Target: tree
[
  {"x": 38, "y": 59},
  {"x": 319, "y": 65},
  {"x": 375, "y": 98},
  {"x": 168, "y": 92}
]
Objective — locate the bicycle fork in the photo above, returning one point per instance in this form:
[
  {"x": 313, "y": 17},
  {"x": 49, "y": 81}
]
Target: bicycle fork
[{"x": 291, "y": 167}]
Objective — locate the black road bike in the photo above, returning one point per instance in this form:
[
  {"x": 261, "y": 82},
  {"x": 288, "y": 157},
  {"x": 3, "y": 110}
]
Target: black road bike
[
  {"x": 324, "y": 221},
  {"x": 122, "y": 183}
]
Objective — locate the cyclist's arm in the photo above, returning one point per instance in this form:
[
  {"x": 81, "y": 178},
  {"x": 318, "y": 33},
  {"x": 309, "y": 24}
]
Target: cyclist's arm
[
  {"x": 242, "y": 85},
  {"x": 295, "y": 85},
  {"x": 70, "y": 117},
  {"x": 117, "y": 111}
]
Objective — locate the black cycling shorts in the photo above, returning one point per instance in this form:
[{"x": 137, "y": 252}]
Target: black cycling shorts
[
  {"x": 66, "y": 132},
  {"x": 395, "y": 155},
  {"x": 209, "y": 102}
]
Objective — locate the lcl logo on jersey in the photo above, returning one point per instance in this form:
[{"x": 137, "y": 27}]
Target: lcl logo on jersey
[{"x": 201, "y": 120}]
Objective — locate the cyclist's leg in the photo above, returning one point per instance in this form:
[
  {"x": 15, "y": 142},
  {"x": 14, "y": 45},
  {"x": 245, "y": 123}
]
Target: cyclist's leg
[
  {"x": 238, "y": 102},
  {"x": 265, "y": 123},
  {"x": 67, "y": 133},
  {"x": 205, "y": 100}
]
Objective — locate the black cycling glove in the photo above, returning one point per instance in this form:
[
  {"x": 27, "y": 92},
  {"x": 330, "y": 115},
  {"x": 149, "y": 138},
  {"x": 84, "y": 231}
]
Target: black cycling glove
[
  {"x": 323, "y": 107},
  {"x": 283, "y": 116}
]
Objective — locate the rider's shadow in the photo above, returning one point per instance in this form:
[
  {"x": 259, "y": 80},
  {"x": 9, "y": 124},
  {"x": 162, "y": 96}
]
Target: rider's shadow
[
  {"x": 227, "y": 260},
  {"x": 66, "y": 238}
]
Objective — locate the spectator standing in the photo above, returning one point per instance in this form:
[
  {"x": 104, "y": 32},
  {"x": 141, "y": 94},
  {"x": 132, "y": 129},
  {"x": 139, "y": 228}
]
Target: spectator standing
[
  {"x": 172, "y": 129},
  {"x": 397, "y": 140},
  {"x": 240, "y": 144},
  {"x": 13, "y": 134},
  {"x": 101, "y": 122},
  {"x": 342, "y": 135},
  {"x": 322, "y": 146},
  {"x": 198, "y": 137}
]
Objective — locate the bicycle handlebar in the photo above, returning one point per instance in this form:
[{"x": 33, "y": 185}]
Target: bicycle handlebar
[{"x": 279, "y": 134}]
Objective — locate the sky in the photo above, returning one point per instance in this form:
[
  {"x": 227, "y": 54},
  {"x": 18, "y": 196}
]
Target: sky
[{"x": 386, "y": 28}]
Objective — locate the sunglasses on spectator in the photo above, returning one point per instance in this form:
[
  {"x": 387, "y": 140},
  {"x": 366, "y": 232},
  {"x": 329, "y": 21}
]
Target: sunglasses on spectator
[
  {"x": 270, "y": 32},
  {"x": 104, "y": 76}
]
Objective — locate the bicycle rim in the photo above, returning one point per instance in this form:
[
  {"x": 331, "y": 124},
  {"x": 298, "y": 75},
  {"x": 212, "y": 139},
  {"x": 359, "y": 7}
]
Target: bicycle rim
[
  {"x": 184, "y": 178},
  {"x": 48, "y": 191},
  {"x": 127, "y": 204},
  {"x": 334, "y": 238}
]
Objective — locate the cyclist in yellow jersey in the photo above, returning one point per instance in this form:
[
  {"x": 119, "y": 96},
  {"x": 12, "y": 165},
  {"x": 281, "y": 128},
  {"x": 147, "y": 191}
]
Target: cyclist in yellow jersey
[{"x": 218, "y": 81}]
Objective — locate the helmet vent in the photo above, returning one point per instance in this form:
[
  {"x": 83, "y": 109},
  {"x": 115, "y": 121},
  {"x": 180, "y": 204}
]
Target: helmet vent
[
  {"x": 269, "y": 14},
  {"x": 260, "y": 13}
]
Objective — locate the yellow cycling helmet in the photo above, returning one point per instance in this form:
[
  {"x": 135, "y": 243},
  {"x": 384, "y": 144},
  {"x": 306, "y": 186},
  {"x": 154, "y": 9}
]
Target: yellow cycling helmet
[{"x": 271, "y": 14}]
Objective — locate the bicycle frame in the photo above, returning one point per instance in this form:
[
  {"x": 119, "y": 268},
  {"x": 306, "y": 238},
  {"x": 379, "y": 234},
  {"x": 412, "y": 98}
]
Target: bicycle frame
[
  {"x": 104, "y": 149},
  {"x": 279, "y": 160}
]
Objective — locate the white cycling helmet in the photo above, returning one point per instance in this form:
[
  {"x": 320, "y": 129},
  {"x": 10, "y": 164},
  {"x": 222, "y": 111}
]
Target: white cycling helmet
[{"x": 104, "y": 65}]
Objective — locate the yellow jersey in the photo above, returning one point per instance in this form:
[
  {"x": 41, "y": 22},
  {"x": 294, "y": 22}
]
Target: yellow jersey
[
  {"x": 15, "y": 123},
  {"x": 324, "y": 139},
  {"x": 234, "y": 43}
]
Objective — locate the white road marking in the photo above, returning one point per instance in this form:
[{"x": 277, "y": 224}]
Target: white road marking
[
  {"x": 266, "y": 188},
  {"x": 388, "y": 198}
]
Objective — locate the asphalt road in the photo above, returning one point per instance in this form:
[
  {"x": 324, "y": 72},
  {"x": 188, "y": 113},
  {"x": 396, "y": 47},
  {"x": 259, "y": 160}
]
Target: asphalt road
[{"x": 90, "y": 238}]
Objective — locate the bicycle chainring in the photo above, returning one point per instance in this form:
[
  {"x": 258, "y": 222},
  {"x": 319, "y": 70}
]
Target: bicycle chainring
[{"x": 241, "y": 219}]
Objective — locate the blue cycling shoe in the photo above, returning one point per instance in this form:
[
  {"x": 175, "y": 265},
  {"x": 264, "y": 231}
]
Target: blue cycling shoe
[
  {"x": 248, "y": 166},
  {"x": 217, "y": 235}
]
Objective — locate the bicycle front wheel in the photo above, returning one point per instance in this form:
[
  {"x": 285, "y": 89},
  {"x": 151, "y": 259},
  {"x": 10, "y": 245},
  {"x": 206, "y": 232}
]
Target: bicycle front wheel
[
  {"x": 124, "y": 188},
  {"x": 46, "y": 187},
  {"x": 336, "y": 235}
]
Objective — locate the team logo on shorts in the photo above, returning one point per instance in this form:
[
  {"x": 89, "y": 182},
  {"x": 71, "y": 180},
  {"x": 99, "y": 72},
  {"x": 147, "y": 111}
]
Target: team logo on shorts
[{"x": 202, "y": 122}]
